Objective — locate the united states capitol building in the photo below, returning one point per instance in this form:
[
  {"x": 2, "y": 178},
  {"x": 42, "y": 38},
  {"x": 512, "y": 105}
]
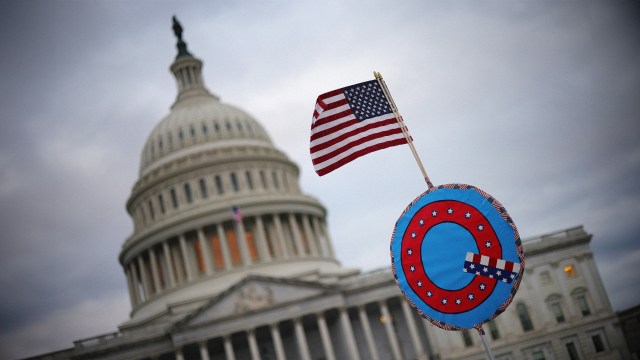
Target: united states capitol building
[{"x": 230, "y": 259}]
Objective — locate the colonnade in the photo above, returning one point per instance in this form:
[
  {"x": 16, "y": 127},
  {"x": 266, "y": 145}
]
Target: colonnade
[
  {"x": 220, "y": 247},
  {"x": 289, "y": 338}
]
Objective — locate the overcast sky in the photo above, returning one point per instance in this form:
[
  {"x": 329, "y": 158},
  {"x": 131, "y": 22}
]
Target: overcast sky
[{"x": 534, "y": 102}]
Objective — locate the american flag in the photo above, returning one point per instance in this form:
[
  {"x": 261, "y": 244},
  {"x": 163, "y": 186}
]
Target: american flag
[
  {"x": 351, "y": 122},
  {"x": 236, "y": 214}
]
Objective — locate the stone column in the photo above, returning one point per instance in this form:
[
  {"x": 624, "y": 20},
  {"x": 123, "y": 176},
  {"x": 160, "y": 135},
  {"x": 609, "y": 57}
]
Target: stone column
[
  {"x": 206, "y": 252},
  {"x": 413, "y": 330},
  {"x": 261, "y": 239},
  {"x": 179, "y": 354},
  {"x": 145, "y": 281},
  {"x": 228, "y": 348},
  {"x": 277, "y": 342},
  {"x": 598, "y": 295},
  {"x": 134, "y": 282},
  {"x": 224, "y": 246},
  {"x": 297, "y": 239},
  {"x": 324, "y": 251},
  {"x": 561, "y": 280},
  {"x": 204, "y": 352},
  {"x": 154, "y": 270},
  {"x": 368, "y": 335},
  {"x": 325, "y": 232},
  {"x": 280, "y": 236},
  {"x": 345, "y": 323},
  {"x": 132, "y": 296},
  {"x": 311, "y": 238},
  {"x": 301, "y": 340},
  {"x": 391, "y": 334},
  {"x": 167, "y": 259},
  {"x": 242, "y": 242},
  {"x": 326, "y": 338},
  {"x": 185, "y": 258},
  {"x": 253, "y": 344}
]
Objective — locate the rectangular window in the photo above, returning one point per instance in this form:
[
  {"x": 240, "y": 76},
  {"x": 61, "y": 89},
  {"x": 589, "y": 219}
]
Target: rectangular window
[
  {"x": 187, "y": 192},
  {"x": 219, "y": 185},
  {"x": 584, "y": 305},
  {"x": 152, "y": 211},
  {"x": 161, "y": 202},
  {"x": 538, "y": 355},
  {"x": 234, "y": 182},
  {"x": 275, "y": 180},
  {"x": 598, "y": 344},
  {"x": 557, "y": 312},
  {"x": 249, "y": 180},
  {"x": 203, "y": 189},
  {"x": 493, "y": 330},
  {"x": 466, "y": 338},
  {"x": 572, "y": 351},
  {"x": 263, "y": 179},
  {"x": 174, "y": 198}
]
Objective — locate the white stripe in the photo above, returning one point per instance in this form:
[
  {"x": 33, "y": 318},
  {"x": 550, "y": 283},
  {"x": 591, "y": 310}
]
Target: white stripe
[
  {"x": 334, "y": 111},
  {"x": 339, "y": 121},
  {"x": 354, "y": 149},
  {"x": 484, "y": 260},
  {"x": 333, "y": 98},
  {"x": 469, "y": 257},
  {"x": 352, "y": 138},
  {"x": 500, "y": 264},
  {"x": 516, "y": 268}
]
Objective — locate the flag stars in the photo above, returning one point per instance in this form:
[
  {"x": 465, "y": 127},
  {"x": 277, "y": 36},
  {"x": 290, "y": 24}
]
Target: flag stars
[
  {"x": 482, "y": 286},
  {"x": 470, "y": 296},
  {"x": 444, "y": 301},
  {"x": 485, "y": 269},
  {"x": 412, "y": 268},
  {"x": 409, "y": 252},
  {"x": 467, "y": 215},
  {"x": 480, "y": 227},
  {"x": 434, "y": 213},
  {"x": 421, "y": 222},
  {"x": 413, "y": 235},
  {"x": 450, "y": 211},
  {"x": 419, "y": 283},
  {"x": 487, "y": 244},
  {"x": 429, "y": 294},
  {"x": 458, "y": 301}
]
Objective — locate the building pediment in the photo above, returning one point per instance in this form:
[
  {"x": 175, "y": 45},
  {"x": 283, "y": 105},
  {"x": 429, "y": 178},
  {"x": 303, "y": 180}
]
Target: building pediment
[{"x": 250, "y": 295}]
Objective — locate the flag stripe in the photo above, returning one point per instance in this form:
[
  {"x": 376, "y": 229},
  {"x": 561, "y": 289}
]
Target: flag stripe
[
  {"x": 345, "y": 153},
  {"x": 347, "y": 126},
  {"x": 354, "y": 137},
  {"x": 327, "y": 169}
]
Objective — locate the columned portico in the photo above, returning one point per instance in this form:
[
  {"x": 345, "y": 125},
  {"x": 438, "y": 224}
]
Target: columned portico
[{"x": 277, "y": 341}]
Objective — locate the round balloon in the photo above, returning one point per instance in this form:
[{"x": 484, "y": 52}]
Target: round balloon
[{"x": 457, "y": 256}]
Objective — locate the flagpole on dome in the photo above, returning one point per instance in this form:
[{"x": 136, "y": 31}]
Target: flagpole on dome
[{"x": 405, "y": 131}]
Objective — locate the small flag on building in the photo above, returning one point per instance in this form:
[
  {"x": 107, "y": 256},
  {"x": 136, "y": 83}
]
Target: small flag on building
[
  {"x": 236, "y": 214},
  {"x": 351, "y": 122}
]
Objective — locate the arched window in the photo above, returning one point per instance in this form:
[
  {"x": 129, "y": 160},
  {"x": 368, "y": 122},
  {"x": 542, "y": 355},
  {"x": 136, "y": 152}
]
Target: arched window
[
  {"x": 152, "y": 211},
  {"x": 249, "y": 180},
  {"x": 525, "y": 319},
  {"x": 161, "y": 203},
  {"x": 466, "y": 338}
]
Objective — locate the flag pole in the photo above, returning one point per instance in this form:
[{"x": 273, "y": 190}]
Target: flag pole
[
  {"x": 404, "y": 129},
  {"x": 485, "y": 343}
]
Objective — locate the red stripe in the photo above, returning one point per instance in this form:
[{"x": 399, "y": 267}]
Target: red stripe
[
  {"x": 330, "y": 94},
  {"x": 342, "y": 136},
  {"x": 358, "y": 154},
  {"x": 339, "y": 126},
  {"x": 508, "y": 266},
  {"x": 335, "y": 116},
  {"x": 477, "y": 258},
  {"x": 493, "y": 262},
  {"x": 357, "y": 142}
]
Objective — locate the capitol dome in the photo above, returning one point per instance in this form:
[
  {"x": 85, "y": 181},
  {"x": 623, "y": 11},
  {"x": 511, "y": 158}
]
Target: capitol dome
[{"x": 215, "y": 202}]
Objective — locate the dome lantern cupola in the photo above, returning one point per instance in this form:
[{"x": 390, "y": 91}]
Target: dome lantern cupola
[{"x": 187, "y": 70}]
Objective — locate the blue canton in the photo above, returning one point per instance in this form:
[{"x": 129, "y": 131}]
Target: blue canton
[{"x": 367, "y": 100}]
